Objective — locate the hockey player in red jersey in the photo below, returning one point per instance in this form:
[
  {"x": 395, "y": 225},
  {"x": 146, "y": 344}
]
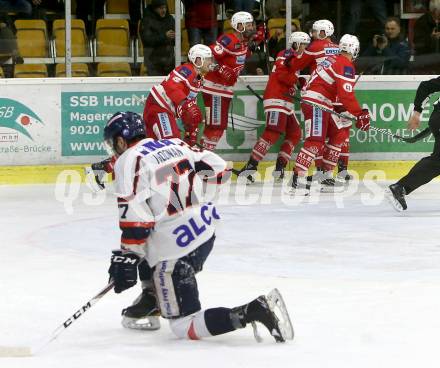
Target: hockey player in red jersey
[
  {"x": 230, "y": 52},
  {"x": 332, "y": 80},
  {"x": 279, "y": 108},
  {"x": 320, "y": 47},
  {"x": 176, "y": 97}
]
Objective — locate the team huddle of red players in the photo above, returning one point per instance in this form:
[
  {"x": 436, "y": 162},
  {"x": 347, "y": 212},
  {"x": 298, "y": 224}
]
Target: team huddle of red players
[{"x": 214, "y": 71}]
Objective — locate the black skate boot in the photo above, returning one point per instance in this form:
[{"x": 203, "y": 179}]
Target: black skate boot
[
  {"x": 300, "y": 185},
  {"x": 278, "y": 173},
  {"x": 396, "y": 196},
  {"x": 259, "y": 310},
  {"x": 249, "y": 170},
  {"x": 343, "y": 172},
  {"x": 143, "y": 314},
  {"x": 329, "y": 184}
]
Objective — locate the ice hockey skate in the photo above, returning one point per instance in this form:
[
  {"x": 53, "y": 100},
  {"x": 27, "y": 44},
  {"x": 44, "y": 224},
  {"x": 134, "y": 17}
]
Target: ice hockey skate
[
  {"x": 300, "y": 186},
  {"x": 278, "y": 173},
  {"x": 270, "y": 311},
  {"x": 247, "y": 171},
  {"x": 329, "y": 184},
  {"x": 395, "y": 194},
  {"x": 143, "y": 314}
]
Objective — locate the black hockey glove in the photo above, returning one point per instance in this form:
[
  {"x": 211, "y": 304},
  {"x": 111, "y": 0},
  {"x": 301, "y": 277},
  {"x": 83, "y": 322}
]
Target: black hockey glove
[{"x": 123, "y": 270}]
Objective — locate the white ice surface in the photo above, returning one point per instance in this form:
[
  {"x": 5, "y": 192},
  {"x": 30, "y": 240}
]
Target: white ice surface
[{"x": 361, "y": 282}]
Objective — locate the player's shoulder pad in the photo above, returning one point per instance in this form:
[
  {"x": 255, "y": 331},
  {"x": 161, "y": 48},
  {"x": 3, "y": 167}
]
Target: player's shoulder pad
[
  {"x": 185, "y": 71},
  {"x": 225, "y": 40},
  {"x": 288, "y": 53},
  {"x": 348, "y": 72}
]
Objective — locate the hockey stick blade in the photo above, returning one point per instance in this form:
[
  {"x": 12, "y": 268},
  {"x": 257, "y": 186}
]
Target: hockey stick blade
[
  {"x": 15, "y": 351},
  {"x": 257, "y": 335},
  {"x": 423, "y": 134},
  {"x": 277, "y": 305}
]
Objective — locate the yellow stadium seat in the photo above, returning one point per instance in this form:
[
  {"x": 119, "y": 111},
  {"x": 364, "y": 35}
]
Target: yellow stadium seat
[
  {"x": 227, "y": 27},
  {"x": 2, "y": 75},
  {"x": 171, "y": 6},
  {"x": 112, "y": 38},
  {"x": 30, "y": 71},
  {"x": 113, "y": 70},
  {"x": 116, "y": 7},
  {"x": 79, "y": 70},
  {"x": 144, "y": 70},
  {"x": 185, "y": 42},
  {"x": 80, "y": 46},
  {"x": 275, "y": 24},
  {"x": 32, "y": 38}
]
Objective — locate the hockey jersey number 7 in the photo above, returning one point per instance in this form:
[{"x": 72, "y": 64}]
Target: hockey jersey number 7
[{"x": 160, "y": 189}]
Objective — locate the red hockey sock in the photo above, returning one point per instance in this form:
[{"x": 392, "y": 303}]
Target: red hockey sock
[
  {"x": 330, "y": 157},
  {"x": 306, "y": 156},
  {"x": 210, "y": 138},
  {"x": 286, "y": 151},
  {"x": 345, "y": 153},
  {"x": 267, "y": 139}
]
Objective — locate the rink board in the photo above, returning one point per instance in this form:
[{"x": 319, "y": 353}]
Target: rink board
[
  {"x": 374, "y": 170},
  {"x": 47, "y": 122}
]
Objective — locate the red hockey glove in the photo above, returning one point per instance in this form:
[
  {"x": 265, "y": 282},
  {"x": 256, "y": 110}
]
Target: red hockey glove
[
  {"x": 260, "y": 35},
  {"x": 339, "y": 108},
  {"x": 191, "y": 137},
  {"x": 227, "y": 74},
  {"x": 302, "y": 81},
  {"x": 190, "y": 114},
  {"x": 363, "y": 120}
]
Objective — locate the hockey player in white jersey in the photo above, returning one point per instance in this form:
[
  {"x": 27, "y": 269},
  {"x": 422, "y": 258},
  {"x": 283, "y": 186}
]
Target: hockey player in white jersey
[{"x": 165, "y": 222}]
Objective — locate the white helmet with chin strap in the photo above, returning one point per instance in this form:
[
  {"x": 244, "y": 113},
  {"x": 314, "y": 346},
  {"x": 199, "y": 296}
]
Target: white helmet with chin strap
[
  {"x": 241, "y": 17},
  {"x": 199, "y": 51},
  {"x": 349, "y": 44},
  {"x": 323, "y": 25},
  {"x": 299, "y": 38}
]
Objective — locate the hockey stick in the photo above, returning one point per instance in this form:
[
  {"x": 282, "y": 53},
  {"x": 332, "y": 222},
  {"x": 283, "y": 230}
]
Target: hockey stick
[
  {"x": 414, "y": 139},
  {"x": 24, "y": 351},
  {"x": 240, "y": 79}
]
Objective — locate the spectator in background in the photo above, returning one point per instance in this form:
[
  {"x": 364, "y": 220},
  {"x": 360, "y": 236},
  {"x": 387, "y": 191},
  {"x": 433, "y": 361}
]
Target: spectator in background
[
  {"x": 41, "y": 7},
  {"x": 201, "y": 21},
  {"x": 244, "y": 5},
  {"x": 92, "y": 8},
  {"x": 427, "y": 30},
  {"x": 277, "y": 42},
  {"x": 354, "y": 12},
  {"x": 19, "y": 6},
  {"x": 8, "y": 42},
  {"x": 158, "y": 38},
  {"x": 277, "y": 9},
  {"x": 393, "y": 47}
]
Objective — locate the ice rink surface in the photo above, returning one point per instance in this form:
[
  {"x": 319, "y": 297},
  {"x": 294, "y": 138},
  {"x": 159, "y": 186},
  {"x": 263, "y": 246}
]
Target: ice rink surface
[{"x": 361, "y": 282}]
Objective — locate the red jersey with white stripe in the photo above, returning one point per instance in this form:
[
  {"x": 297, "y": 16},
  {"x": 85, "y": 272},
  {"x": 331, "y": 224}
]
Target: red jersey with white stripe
[
  {"x": 228, "y": 50},
  {"x": 333, "y": 80},
  {"x": 183, "y": 83},
  {"x": 316, "y": 52},
  {"x": 281, "y": 83}
]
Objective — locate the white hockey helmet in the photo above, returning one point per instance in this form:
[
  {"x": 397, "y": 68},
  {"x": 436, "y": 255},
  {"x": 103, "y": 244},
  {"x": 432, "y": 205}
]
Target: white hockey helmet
[
  {"x": 350, "y": 44},
  {"x": 241, "y": 17},
  {"x": 199, "y": 51},
  {"x": 299, "y": 38},
  {"x": 323, "y": 25}
]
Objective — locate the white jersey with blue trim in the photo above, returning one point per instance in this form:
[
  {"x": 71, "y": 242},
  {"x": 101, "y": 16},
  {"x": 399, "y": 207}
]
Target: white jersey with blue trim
[{"x": 159, "y": 184}]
